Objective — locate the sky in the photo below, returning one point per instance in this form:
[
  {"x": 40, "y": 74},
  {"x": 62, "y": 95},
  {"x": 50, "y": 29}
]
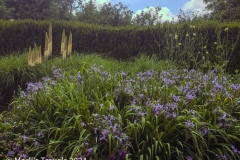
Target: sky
[{"x": 170, "y": 8}]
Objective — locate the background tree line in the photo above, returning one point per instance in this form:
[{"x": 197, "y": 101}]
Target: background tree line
[{"x": 108, "y": 14}]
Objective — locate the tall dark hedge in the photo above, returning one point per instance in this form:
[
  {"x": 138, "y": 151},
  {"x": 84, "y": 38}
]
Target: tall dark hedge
[{"x": 119, "y": 42}]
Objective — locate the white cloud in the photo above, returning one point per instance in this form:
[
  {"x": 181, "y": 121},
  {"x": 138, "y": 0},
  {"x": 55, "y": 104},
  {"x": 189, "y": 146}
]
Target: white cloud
[
  {"x": 196, "y": 6},
  {"x": 166, "y": 14},
  {"x": 101, "y": 2},
  {"x": 97, "y": 2},
  {"x": 163, "y": 15}
]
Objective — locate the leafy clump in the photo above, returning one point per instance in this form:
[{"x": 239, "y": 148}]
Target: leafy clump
[{"x": 95, "y": 114}]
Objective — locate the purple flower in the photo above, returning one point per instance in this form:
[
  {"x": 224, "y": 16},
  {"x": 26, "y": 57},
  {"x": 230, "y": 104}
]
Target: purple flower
[
  {"x": 57, "y": 72},
  {"x": 104, "y": 134},
  {"x": 157, "y": 109},
  {"x": 235, "y": 87},
  {"x": 88, "y": 152},
  {"x": 114, "y": 128},
  {"x": 176, "y": 98},
  {"x": 203, "y": 130},
  {"x": 189, "y": 158},
  {"x": 235, "y": 150},
  {"x": 215, "y": 71},
  {"x": 124, "y": 74},
  {"x": 83, "y": 124},
  {"x": 168, "y": 82},
  {"x": 122, "y": 154},
  {"x": 36, "y": 143},
  {"x": 190, "y": 124},
  {"x": 171, "y": 106},
  {"x": 111, "y": 108},
  {"x": 22, "y": 94},
  {"x": 174, "y": 115},
  {"x": 40, "y": 134},
  {"x": 184, "y": 89},
  {"x": 17, "y": 148},
  {"x": 190, "y": 96},
  {"x": 192, "y": 112},
  {"x": 220, "y": 157},
  {"x": 24, "y": 137},
  {"x": 141, "y": 96},
  {"x": 34, "y": 87},
  {"x": 24, "y": 155},
  {"x": 86, "y": 143}
]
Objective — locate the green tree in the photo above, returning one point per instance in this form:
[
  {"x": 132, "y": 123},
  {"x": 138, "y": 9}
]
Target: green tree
[
  {"x": 189, "y": 15},
  {"x": 108, "y": 14},
  {"x": 226, "y": 10},
  {"x": 87, "y": 12},
  {"x": 150, "y": 16},
  {"x": 64, "y": 9},
  {"x": 5, "y": 13},
  {"x": 116, "y": 15},
  {"x": 41, "y": 9}
]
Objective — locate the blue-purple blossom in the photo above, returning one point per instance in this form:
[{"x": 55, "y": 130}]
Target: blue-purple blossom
[
  {"x": 204, "y": 130},
  {"x": 57, "y": 72},
  {"x": 17, "y": 149},
  {"x": 184, "y": 89},
  {"x": 122, "y": 154},
  {"x": 88, "y": 152},
  {"x": 235, "y": 150},
  {"x": 169, "y": 82},
  {"x": 221, "y": 157},
  {"x": 36, "y": 143},
  {"x": 114, "y": 128},
  {"x": 24, "y": 137},
  {"x": 157, "y": 108},
  {"x": 235, "y": 87},
  {"x": 33, "y": 87},
  {"x": 189, "y": 158},
  {"x": 104, "y": 134},
  {"x": 83, "y": 124},
  {"x": 24, "y": 155},
  {"x": 190, "y": 96},
  {"x": 111, "y": 108},
  {"x": 215, "y": 71},
  {"x": 176, "y": 98},
  {"x": 190, "y": 124},
  {"x": 124, "y": 74},
  {"x": 40, "y": 134}
]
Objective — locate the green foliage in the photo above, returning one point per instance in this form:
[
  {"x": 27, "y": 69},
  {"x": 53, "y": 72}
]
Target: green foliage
[
  {"x": 150, "y": 111},
  {"x": 224, "y": 10},
  {"x": 39, "y": 10},
  {"x": 5, "y": 13},
  {"x": 199, "y": 47}
]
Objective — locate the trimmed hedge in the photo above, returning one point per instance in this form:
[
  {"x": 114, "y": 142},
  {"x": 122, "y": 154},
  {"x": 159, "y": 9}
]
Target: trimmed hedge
[{"x": 118, "y": 42}]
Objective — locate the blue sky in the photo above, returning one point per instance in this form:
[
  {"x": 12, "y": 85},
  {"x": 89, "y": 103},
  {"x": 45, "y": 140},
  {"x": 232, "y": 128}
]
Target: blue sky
[{"x": 170, "y": 8}]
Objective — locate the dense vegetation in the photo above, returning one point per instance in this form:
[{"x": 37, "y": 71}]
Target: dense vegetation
[
  {"x": 176, "y": 101},
  {"x": 141, "y": 109}
]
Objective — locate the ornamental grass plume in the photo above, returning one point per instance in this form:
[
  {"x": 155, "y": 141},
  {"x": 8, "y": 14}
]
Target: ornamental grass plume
[
  {"x": 46, "y": 49},
  {"x": 34, "y": 55},
  {"x": 48, "y": 43},
  {"x": 64, "y": 45},
  {"x": 50, "y": 40},
  {"x": 69, "y": 47}
]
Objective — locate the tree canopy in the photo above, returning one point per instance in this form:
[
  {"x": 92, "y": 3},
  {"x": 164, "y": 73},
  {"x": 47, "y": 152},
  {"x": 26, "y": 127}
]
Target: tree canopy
[
  {"x": 108, "y": 14},
  {"x": 226, "y": 10}
]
